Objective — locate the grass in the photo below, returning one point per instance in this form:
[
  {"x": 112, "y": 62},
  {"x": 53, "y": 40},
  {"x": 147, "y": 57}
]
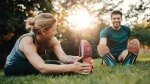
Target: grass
[{"x": 133, "y": 74}]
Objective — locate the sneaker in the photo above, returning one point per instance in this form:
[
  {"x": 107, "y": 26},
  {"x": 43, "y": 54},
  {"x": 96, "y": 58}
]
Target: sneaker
[
  {"x": 134, "y": 46},
  {"x": 133, "y": 50},
  {"x": 85, "y": 51}
]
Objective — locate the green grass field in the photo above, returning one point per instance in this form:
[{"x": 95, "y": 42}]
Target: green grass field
[{"x": 133, "y": 74}]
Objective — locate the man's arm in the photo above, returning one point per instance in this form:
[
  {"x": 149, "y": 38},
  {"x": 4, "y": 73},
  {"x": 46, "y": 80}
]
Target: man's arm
[{"x": 102, "y": 47}]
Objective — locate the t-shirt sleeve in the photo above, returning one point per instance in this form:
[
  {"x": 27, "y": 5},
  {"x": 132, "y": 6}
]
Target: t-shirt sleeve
[{"x": 103, "y": 33}]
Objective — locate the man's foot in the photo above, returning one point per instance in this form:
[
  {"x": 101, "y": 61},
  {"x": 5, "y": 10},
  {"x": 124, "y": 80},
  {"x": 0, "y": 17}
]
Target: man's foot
[
  {"x": 130, "y": 59},
  {"x": 133, "y": 50},
  {"x": 134, "y": 46},
  {"x": 85, "y": 51}
]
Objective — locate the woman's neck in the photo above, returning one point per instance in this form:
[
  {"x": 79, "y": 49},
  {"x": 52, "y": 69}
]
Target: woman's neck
[{"x": 40, "y": 39}]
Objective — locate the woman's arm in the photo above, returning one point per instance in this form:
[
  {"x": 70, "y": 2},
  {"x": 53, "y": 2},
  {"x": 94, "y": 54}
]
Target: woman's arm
[
  {"x": 57, "y": 49},
  {"x": 28, "y": 48}
]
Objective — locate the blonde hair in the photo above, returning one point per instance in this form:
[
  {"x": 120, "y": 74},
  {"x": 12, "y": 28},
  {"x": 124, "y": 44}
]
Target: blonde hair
[{"x": 43, "y": 20}]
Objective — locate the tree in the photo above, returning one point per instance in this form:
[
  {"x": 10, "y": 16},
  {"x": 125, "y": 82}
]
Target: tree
[
  {"x": 12, "y": 18},
  {"x": 142, "y": 33}
]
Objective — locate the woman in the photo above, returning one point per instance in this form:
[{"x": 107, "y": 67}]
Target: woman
[{"x": 25, "y": 56}]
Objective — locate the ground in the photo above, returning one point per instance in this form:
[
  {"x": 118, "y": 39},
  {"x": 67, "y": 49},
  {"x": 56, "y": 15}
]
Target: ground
[{"x": 133, "y": 74}]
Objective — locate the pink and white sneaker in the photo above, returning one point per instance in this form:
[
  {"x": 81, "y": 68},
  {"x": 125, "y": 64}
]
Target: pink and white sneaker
[{"x": 85, "y": 51}]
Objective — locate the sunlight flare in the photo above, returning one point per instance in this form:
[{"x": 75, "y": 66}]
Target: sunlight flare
[{"x": 80, "y": 19}]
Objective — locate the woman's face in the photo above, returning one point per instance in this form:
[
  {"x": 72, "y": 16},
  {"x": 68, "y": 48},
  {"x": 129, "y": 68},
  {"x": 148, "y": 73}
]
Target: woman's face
[{"x": 51, "y": 31}]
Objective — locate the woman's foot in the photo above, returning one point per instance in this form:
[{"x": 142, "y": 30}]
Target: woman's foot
[{"x": 85, "y": 51}]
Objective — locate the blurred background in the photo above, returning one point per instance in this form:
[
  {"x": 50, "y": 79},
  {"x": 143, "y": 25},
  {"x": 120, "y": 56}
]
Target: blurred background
[{"x": 77, "y": 19}]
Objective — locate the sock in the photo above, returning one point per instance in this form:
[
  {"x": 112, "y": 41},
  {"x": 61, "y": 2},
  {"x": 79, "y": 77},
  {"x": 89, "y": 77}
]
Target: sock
[
  {"x": 130, "y": 59},
  {"x": 109, "y": 60}
]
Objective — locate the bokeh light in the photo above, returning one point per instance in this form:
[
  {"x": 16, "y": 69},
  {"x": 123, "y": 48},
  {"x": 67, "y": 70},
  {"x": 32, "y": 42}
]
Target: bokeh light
[{"x": 80, "y": 18}]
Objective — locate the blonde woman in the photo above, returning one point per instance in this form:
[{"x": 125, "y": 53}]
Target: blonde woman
[{"x": 25, "y": 57}]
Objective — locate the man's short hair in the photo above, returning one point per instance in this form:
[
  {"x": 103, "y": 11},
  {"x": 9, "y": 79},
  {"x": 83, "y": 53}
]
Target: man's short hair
[{"x": 116, "y": 12}]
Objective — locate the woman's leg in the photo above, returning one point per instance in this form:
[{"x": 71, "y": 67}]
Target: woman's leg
[
  {"x": 20, "y": 68},
  {"x": 52, "y": 59},
  {"x": 24, "y": 67}
]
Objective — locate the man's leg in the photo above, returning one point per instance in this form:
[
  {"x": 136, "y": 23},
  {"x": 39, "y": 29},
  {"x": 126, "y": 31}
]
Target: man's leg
[
  {"x": 133, "y": 50},
  {"x": 123, "y": 55},
  {"x": 106, "y": 56}
]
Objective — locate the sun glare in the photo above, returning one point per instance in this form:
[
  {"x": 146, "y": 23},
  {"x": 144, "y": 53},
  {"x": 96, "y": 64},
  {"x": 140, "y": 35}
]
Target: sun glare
[{"x": 80, "y": 19}]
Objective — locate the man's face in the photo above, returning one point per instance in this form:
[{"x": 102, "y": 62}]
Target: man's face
[{"x": 116, "y": 20}]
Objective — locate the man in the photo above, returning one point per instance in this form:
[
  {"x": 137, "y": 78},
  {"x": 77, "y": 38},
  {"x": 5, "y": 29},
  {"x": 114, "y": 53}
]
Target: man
[{"x": 113, "y": 46}]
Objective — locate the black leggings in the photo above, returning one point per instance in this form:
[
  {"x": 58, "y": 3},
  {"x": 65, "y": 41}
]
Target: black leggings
[{"x": 23, "y": 67}]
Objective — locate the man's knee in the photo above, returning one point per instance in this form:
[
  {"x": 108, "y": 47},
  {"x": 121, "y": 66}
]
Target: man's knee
[{"x": 102, "y": 50}]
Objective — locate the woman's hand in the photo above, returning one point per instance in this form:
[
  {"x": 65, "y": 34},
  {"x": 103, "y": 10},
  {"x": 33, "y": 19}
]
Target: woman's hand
[{"x": 81, "y": 68}]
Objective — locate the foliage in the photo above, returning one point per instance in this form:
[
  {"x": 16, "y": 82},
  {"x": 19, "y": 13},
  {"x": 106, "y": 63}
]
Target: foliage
[
  {"x": 143, "y": 34},
  {"x": 12, "y": 18}
]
